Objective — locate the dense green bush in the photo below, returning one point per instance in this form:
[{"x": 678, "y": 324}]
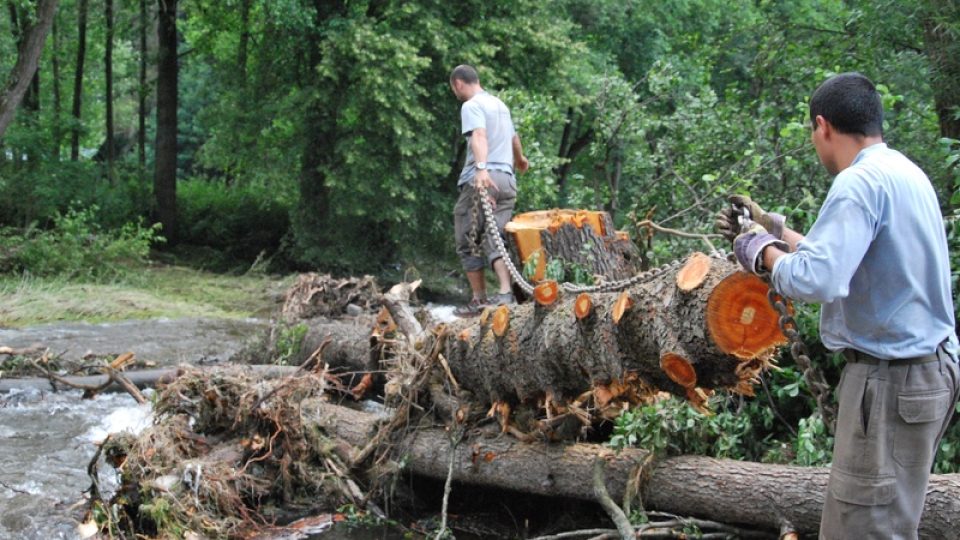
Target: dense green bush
[
  {"x": 77, "y": 247},
  {"x": 243, "y": 222}
]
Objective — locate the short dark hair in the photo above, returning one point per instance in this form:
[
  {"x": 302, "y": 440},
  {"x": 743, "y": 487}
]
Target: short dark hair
[
  {"x": 850, "y": 102},
  {"x": 465, "y": 73}
]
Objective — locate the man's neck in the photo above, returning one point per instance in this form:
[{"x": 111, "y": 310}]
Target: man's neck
[
  {"x": 851, "y": 146},
  {"x": 472, "y": 91}
]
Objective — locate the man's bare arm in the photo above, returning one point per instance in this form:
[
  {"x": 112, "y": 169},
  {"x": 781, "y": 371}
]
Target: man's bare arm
[{"x": 520, "y": 161}]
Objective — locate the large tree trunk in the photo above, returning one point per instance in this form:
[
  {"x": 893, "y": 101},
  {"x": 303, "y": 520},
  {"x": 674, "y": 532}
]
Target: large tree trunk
[
  {"x": 142, "y": 92},
  {"x": 722, "y": 490},
  {"x": 78, "y": 80},
  {"x": 28, "y": 55},
  {"x": 57, "y": 104},
  {"x": 165, "y": 171},
  {"x": 108, "y": 80},
  {"x": 942, "y": 48},
  {"x": 703, "y": 326}
]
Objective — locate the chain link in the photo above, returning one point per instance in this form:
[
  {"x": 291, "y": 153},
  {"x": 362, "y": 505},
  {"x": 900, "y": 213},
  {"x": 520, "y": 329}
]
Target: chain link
[
  {"x": 611, "y": 286},
  {"x": 788, "y": 325},
  {"x": 798, "y": 350}
]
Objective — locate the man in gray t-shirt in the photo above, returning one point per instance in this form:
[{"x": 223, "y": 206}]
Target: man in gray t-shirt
[{"x": 493, "y": 151}]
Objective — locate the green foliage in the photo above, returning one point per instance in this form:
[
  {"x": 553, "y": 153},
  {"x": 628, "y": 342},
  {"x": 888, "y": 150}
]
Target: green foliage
[
  {"x": 77, "y": 247},
  {"x": 670, "y": 427},
  {"x": 241, "y": 222},
  {"x": 289, "y": 341}
]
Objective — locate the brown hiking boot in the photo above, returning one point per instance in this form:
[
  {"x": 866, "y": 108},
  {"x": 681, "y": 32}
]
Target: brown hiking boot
[{"x": 473, "y": 308}]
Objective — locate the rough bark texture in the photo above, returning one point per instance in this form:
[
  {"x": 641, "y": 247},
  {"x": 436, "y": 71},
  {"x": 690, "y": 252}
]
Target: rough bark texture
[
  {"x": 721, "y": 490},
  {"x": 547, "y": 349},
  {"x": 28, "y": 56},
  {"x": 605, "y": 253},
  {"x": 165, "y": 173}
]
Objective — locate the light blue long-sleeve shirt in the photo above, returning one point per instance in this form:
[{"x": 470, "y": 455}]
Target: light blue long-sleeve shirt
[{"x": 876, "y": 258}]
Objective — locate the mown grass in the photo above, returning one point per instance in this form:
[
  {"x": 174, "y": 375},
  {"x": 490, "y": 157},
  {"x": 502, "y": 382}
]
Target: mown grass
[{"x": 153, "y": 291}]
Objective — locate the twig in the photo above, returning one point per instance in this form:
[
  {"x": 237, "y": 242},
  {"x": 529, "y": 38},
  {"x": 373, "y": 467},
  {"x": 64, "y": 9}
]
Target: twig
[
  {"x": 13, "y": 489},
  {"x": 705, "y": 237},
  {"x": 574, "y": 534},
  {"x": 94, "y": 475},
  {"x": 603, "y": 497},
  {"x": 455, "y": 437}
]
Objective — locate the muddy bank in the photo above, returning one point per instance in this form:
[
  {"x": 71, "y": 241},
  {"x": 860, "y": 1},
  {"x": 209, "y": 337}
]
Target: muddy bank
[{"x": 163, "y": 342}]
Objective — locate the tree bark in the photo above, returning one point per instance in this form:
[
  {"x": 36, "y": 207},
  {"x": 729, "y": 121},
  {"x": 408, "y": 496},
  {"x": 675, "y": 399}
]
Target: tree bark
[
  {"x": 721, "y": 490},
  {"x": 57, "y": 102},
  {"x": 28, "y": 56},
  {"x": 942, "y": 49},
  {"x": 165, "y": 170},
  {"x": 78, "y": 80},
  {"x": 142, "y": 92},
  {"x": 108, "y": 81},
  {"x": 720, "y": 333}
]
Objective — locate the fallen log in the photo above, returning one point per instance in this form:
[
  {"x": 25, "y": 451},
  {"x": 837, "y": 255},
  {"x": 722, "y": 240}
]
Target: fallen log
[
  {"x": 690, "y": 329},
  {"x": 723, "y": 490},
  {"x": 145, "y": 378}
]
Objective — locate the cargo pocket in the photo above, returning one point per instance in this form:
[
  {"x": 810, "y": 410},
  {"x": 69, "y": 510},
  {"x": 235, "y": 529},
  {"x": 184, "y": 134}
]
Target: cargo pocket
[
  {"x": 921, "y": 418},
  {"x": 862, "y": 490}
]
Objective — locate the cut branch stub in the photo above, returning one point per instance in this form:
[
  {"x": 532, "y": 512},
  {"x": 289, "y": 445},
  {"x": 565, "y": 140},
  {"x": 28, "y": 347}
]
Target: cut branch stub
[
  {"x": 678, "y": 369},
  {"x": 740, "y": 319},
  {"x": 583, "y": 306},
  {"x": 501, "y": 320},
  {"x": 694, "y": 272},
  {"x": 621, "y": 306},
  {"x": 546, "y": 293}
]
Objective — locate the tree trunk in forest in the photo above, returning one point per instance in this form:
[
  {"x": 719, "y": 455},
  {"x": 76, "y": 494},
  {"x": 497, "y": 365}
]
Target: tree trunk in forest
[
  {"x": 142, "y": 92},
  {"x": 570, "y": 147},
  {"x": 942, "y": 48},
  {"x": 165, "y": 169},
  {"x": 24, "y": 70},
  {"x": 722, "y": 490},
  {"x": 244, "y": 38},
  {"x": 57, "y": 101},
  {"x": 715, "y": 330},
  {"x": 78, "y": 80},
  {"x": 108, "y": 81}
]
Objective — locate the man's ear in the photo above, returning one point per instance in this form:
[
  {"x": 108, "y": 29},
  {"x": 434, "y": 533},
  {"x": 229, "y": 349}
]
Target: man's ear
[{"x": 824, "y": 126}]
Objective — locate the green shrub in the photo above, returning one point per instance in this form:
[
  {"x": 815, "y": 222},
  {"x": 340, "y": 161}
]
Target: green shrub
[
  {"x": 240, "y": 221},
  {"x": 77, "y": 247}
]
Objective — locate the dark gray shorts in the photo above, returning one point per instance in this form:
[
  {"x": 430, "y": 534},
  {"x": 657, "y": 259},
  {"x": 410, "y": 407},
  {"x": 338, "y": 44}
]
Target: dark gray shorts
[
  {"x": 467, "y": 234},
  {"x": 891, "y": 419}
]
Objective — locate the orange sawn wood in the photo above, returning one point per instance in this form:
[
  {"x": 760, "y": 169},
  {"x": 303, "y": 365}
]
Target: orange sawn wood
[
  {"x": 740, "y": 319},
  {"x": 546, "y": 293},
  {"x": 583, "y": 306},
  {"x": 621, "y": 306},
  {"x": 501, "y": 321},
  {"x": 678, "y": 369},
  {"x": 694, "y": 272}
]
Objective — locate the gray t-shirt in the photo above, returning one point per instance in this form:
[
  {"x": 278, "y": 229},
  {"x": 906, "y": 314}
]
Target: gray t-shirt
[{"x": 488, "y": 112}]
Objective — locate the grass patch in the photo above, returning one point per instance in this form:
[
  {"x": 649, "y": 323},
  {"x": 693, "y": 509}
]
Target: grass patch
[{"x": 155, "y": 291}]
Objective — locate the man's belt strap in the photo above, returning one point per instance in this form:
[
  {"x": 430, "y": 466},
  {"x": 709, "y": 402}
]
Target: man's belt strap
[{"x": 856, "y": 357}]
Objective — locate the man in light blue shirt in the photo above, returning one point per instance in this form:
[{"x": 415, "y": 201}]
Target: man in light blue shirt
[{"x": 876, "y": 259}]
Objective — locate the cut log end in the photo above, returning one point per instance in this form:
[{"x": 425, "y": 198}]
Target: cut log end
[
  {"x": 546, "y": 293},
  {"x": 678, "y": 369},
  {"x": 694, "y": 272},
  {"x": 501, "y": 321},
  {"x": 583, "y": 306},
  {"x": 740, "y": 319},
  {"x": 621, "y": 306}
]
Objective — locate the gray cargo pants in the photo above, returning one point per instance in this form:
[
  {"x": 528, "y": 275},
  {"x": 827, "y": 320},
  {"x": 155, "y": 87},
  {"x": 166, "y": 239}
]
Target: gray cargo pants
[
  {"x": 891, "y": 419},
  {"x": 463, "y": 216}
]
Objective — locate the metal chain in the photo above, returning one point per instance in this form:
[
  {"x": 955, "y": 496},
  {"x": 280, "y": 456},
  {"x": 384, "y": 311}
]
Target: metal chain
[
  {"x": 788, "y": 325},
  {"x": 813, "y": 376},
  {"x": 612, "y": 286}
]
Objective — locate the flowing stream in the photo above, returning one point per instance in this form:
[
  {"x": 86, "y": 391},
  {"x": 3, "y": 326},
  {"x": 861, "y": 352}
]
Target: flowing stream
[{"x": 47, "y": 439}]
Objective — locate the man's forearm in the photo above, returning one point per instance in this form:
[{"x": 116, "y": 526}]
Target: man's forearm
[{"x": 517, "y": 147}]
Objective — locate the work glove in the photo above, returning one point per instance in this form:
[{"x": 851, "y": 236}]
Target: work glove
[
  {"x": 728, "y": 219},
  {"x": 748, "y": 247}
]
